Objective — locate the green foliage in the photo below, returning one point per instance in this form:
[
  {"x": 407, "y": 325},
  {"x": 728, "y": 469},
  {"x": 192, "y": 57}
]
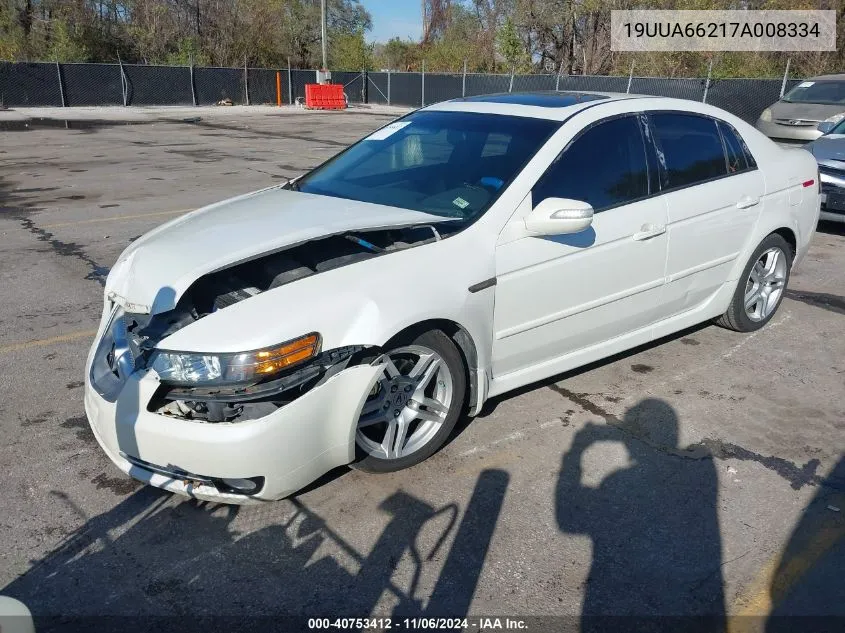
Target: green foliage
[
  {"x": 512, "y": 48},
  {"x": 350, "y": 51},
  {"x": 11, "y": 33},
  {"x": 489, "y": 35},
  {"x": 396, "y": 54},
  {"x": 188, "y": 51},
  {"x": 67, "y": 43}
]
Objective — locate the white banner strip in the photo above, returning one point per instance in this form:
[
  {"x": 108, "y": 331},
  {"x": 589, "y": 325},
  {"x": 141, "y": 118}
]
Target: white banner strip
[{"x": 728, "y": 30}]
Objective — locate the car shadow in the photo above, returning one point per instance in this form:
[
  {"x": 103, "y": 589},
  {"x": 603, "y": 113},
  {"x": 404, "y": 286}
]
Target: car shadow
[
  {"x": 159, "y": 559},
  {"x": 831, "y": 228},
  {"x": 808, "y": 587}
]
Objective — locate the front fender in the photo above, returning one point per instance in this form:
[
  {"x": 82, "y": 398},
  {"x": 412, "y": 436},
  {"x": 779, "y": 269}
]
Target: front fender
[{"x": 366, "y": 303}]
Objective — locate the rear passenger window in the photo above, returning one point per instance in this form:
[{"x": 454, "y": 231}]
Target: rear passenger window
[
  {"x": 736, "y": 157},
  {"x": 605, "y": 167},
  {"x": 749, "y": 158},
  {"x": 689, "y": 149}
]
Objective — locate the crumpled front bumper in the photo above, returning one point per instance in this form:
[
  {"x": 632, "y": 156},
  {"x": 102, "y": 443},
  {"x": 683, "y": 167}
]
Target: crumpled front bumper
[{"x": 289, "y": 448}]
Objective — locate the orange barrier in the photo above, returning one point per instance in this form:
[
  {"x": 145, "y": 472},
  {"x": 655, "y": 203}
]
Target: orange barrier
[{"x": 324, "y": 97}]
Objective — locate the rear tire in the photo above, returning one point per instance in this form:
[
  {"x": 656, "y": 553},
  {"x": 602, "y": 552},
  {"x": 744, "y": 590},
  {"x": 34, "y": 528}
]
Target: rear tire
[
  {"x": 418, "y": 400},
  {"x": 761, "y": 286}
]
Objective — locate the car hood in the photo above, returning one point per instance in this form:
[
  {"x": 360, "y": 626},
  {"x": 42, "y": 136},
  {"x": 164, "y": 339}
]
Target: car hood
[
  {"x": 829, "y": 147},
  {"x": 152, "y": 274},
  {"x": 805, "y": 111}
]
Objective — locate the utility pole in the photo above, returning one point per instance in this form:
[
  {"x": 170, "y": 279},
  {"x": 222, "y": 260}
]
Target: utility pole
[{"x": 323, "y": 30}]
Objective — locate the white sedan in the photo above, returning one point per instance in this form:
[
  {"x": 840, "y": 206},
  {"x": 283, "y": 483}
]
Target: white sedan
[{"x": 352, "y": 315}]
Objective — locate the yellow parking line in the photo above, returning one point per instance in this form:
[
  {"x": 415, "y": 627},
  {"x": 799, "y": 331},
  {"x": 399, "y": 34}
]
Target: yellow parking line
[
  {"x": 112, "y": 218},
  {"x": 62, "y": 338},
  {"x": 780, "y": 574}
]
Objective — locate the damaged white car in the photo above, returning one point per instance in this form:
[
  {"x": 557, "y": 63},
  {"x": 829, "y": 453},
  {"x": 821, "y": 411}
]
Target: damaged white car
[{"x": 472, "y": 247}]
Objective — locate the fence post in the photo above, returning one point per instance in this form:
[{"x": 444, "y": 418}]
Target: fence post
[
  {"x": 785, "y": 77},
  {"x": 278, "y": 89},
  {"x": 365, "y": 88},
  {"x": 290, "y": 85},
  {"x": 630, "y": 78},
  {"x": 557, "y": 79},
  {"x": 61, "y": 83},
  {"x": 510, "y": 86},
  {"x": 246, "y": 82},
  {"x": 707, "y": 83},
  {"x": 388, "y": 86},
  {"x": 422, "y": 98},
  {"x": 122, "y": 80},
  {"x": 193, "y": 90},
  {"x": 464, "y": 81}
]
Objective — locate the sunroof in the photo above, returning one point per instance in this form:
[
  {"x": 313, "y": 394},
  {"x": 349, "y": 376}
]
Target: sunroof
[{"x": 549, "y": 99}]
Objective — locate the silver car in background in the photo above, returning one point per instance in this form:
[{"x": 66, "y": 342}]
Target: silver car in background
[
  {"x": 799, "y": 113},
  {"x": 829, "y": 151}
]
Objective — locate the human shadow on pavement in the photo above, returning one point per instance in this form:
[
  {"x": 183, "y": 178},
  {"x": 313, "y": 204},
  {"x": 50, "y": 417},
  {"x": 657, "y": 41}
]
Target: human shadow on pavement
[
  {"x": 155, "y": 563},
  {"x": 808, "y": 588},
  {"x": 654, "y": 527}
]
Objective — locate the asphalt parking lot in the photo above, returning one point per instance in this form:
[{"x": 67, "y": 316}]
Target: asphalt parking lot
[{"x": 704, "y": 474}]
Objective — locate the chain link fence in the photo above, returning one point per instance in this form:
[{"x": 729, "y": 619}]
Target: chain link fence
[{"x": 54, "y": 84}]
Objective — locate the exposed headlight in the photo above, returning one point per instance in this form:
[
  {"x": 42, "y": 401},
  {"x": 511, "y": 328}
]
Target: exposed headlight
[
  {"x": 189, "y": 368},
  {"x": 766, "y": 115},
  {"x": 836, "y": 118}
]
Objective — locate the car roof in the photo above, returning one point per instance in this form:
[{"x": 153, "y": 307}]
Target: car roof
[
  {"x": 563, "y": 105},
  {"x": 550, "y": 104},
  {"x": 544, "y": 99},
  {"x": 838, "y": 77}
]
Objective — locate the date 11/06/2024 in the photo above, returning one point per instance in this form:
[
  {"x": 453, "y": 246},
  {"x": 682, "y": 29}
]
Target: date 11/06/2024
[{"x": 418, "y": 624}]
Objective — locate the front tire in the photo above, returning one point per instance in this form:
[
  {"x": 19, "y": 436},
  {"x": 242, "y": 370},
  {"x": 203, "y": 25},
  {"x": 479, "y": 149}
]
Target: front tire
[
  {"x": 414, "y": 405},
  {"x": 761, "y": 286}
]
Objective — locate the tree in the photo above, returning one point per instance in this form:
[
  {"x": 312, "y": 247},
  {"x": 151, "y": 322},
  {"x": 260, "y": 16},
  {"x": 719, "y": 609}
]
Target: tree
[
  {"x": 349, "y": 51},
  {"x": 512, "y": 48},
  {"x": 397, "y": 54}
]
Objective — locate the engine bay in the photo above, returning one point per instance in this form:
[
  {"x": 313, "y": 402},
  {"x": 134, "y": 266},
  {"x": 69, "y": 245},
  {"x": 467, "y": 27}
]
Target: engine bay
[{"x": 223, "y": 289}]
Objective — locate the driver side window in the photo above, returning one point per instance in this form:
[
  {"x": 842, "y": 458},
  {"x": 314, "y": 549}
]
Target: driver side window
[{"x": 604, "y": 166}]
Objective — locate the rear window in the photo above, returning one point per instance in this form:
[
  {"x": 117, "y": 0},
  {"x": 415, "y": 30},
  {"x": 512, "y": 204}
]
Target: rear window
[{"x": 689, "y": 149}]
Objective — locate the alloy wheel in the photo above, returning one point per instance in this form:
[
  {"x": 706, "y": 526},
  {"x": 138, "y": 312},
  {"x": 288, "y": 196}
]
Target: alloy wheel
[
  {"x": 408, "y": 404},
  {"x": 765, "y": 284}
]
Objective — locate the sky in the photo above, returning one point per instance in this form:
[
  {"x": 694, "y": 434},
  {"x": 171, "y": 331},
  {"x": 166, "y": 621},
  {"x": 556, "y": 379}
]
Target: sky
[{"x": 394, "y": 18}]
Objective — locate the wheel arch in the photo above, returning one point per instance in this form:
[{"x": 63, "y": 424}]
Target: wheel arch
[
  {"x": 789, "y": 235},
  {"x": 467, "y": 346}
]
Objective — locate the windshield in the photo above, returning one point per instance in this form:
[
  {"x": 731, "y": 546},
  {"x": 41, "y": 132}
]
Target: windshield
[
  {"x": 453, "y": 164},
  {"x": 839, "y": 128},
  {"x": 825, "y": 92}
]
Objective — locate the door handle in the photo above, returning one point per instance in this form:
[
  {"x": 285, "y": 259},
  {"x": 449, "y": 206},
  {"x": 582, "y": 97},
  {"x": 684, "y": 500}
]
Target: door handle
[
  {"x": 747, "y": 201},
  {"x": 647, "y": 231}
]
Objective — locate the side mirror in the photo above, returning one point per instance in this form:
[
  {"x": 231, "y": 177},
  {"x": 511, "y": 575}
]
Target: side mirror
[
  {"x": 559, "y": 216},
  {"x": 825, "y": 126},
  {"x": 15, "y": 617}
]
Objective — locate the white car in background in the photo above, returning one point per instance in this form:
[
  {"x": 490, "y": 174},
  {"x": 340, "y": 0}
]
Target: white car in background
[{"x": 467, "y": 249}]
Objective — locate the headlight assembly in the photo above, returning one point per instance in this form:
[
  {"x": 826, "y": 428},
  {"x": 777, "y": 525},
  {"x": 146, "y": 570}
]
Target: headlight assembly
[
  {"x": 766, "y": 115},
  {"x": 190, "y": 368},
  {"x": 836, "y": 118}
]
